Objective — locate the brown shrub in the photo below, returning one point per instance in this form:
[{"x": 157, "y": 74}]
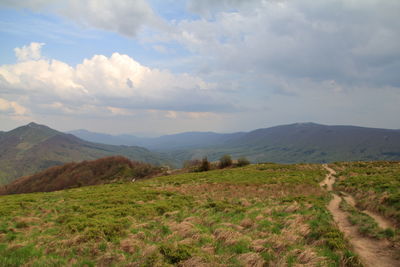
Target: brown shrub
[{"x": 70, "y": 175}]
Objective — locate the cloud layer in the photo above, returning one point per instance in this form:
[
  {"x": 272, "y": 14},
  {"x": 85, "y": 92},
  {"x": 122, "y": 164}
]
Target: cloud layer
[
  {"x": 116, "y": 83},
  {"x": 249, "y": 63}
]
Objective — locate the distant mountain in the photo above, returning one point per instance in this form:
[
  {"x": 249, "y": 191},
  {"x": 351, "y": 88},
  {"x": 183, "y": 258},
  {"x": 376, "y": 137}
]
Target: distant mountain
[
  {"x": 299, "y": 142},
  {"x": 307, "y": 142},
  {"x": 187, "y": 140},
  {"x": 125, "y": 139},
  {"x": 33, "y": 147},
  {"x": 71, "y": 175}
]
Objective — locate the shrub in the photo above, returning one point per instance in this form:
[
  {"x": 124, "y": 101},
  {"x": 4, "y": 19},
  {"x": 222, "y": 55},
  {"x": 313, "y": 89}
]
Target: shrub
[
  {"x": 192, "y": 164},
  {"x": 205, "y": 165},
  {"x": 243, "y": 161},
  {"x": 175, "y": 254},
  {"x": 225, "y": 161}
]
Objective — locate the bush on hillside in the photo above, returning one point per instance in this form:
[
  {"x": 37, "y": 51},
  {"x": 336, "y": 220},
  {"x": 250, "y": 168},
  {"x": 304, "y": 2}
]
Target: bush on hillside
[
  {"x": 192, "y": 164},
  {"x": 242, "y": 161},
  {"x": 225, "y": 161},
  {"x": 205, "y": 165}
]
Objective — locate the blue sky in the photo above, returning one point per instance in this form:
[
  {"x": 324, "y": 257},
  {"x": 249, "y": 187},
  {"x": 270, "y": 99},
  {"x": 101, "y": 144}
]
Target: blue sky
[{"x": 157, "y": 67}]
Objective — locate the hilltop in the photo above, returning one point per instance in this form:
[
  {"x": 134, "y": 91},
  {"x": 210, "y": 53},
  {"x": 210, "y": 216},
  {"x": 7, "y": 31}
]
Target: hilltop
[{"x": 33, "y": 147}]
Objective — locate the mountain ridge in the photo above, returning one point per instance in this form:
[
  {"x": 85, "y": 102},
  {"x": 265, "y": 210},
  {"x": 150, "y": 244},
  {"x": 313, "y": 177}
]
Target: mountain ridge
[
  {"x": 34, "y": 147},
  {"x": 290, "y": 143}
]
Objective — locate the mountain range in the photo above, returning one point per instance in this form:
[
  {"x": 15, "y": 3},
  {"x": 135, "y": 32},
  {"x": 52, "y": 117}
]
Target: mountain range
[
  {"x": 33, "y": 147},
  {"x": 298, "y": 142}
]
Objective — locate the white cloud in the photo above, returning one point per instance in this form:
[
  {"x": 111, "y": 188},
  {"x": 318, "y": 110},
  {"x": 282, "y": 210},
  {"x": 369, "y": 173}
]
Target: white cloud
[
  {"x": 29, "y": 52},
  {"x": 12, "y": 108},
  {"x": 116, "y": 84}
]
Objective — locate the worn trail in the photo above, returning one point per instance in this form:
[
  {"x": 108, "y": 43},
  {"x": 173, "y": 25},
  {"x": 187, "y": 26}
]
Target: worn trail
[
  {"x": 372, "y": 252},
  {"x": 380, "y": 220}
]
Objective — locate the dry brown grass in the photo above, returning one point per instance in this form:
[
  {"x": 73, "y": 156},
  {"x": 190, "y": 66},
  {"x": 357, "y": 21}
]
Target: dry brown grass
[
  {"x": 228, "y": 237},
  {"x": 27, "y": 220},
  {"x": 258, "y": 245},
  {"x": 107, "y": 259},
  {"x": 308, "y": 257},
  {"x": 194, "y": 262},
  {"x": 243, "y": 192},
  {"x": 247, "y": 223},
  {"x": 74, "y": 241},
  {"x": 251, "y": 259},
  {"x": 183, "y": 229},
  {"x": 233, "y": 226},
  {"x": 292, "y": 207},
  {"x": 131, "y": 244}
]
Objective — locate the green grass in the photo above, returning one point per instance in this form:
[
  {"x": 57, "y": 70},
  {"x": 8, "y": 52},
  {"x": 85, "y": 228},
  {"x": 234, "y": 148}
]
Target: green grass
[
  {"x": 375, "y": 185},
  {"x": 266, "y": 213},
  {"x": 366, "y": 225}
]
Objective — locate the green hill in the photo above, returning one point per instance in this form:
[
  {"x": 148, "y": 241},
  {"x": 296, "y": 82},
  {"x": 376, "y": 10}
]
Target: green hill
[
  {"x": 32, "y": 148},
  {"x": 71, "y": 175},
  {"x": 259, "y": 215}
]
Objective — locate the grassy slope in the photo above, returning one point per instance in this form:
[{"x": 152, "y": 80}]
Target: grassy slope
[
  {"x": 258, "y": 214},
  {"x": 72, "y": 175},
  {"x": 32, "y": 148},
  {"x": 375, "y": 185}
]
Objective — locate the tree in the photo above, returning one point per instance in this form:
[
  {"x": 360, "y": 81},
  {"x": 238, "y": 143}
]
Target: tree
[
  {"x": 225, "y": 161},
  {"x": 205, "y": 165},
  {"x": 242, "y": 161}
]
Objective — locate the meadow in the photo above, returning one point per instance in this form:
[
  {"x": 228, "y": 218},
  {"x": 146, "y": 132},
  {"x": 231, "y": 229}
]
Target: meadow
[
  {"x": 375, "y": 185},
  {"x": 258, "y": 215}
]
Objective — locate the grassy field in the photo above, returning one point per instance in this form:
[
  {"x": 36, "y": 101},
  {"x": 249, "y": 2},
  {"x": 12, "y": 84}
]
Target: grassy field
[
  {"x": 259, "y": 215},
  {"x": 375, "y": 185}
]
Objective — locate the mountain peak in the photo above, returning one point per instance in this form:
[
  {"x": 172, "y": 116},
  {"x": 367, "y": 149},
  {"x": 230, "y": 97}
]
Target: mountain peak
[
  {"x": 35, "y": 125},
  {"x": 306, "y": 124}
]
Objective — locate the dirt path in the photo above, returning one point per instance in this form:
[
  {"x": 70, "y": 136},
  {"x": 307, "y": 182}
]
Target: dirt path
[
  {"x": 382, "y": 222},
  {"x": 371, "y": 252},
  {"x": 329, "y": 179}
]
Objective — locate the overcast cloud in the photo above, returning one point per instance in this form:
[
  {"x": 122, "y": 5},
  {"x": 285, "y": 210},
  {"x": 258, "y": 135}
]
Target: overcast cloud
[{"x": 250, "y": 64}]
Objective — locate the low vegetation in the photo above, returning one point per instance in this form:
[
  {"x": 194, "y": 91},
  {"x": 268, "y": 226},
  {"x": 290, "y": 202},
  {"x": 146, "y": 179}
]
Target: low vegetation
[
  {"x": 71, "y": 175},
  {"x": 242, "y": 161},
  {"x": 265, "y": 214},
  {"x": 367, "y": 226},
  {"x": 375, "y": 185},
  {"x": 225, "y": 161}
]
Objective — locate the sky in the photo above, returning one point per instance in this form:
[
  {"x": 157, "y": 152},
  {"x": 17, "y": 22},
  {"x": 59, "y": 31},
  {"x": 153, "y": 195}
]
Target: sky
[{"x": 153, "y": 67}]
